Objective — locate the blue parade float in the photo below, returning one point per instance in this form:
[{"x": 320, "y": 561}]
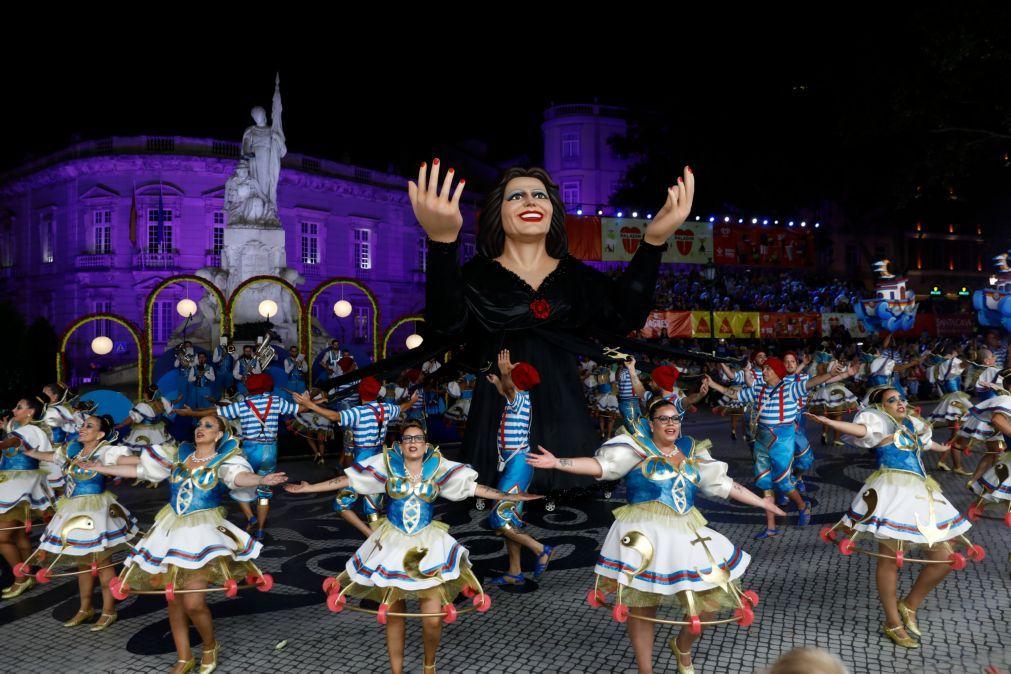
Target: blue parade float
[
  {"x": 893, "y": 307},
  {"x": 993, "y": 305}
]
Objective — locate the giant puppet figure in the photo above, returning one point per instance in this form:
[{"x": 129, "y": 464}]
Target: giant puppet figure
[
  {"x": 524, "y": 292},
  {"x": 993, "y": 305},
  {"x": 893, "y": 307}
]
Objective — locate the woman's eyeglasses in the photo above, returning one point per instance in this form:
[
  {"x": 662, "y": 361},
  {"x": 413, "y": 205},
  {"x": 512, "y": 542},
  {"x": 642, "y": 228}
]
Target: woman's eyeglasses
[
  {"x": 667, "y": 420},
  {"x": 413, "y": 438}
]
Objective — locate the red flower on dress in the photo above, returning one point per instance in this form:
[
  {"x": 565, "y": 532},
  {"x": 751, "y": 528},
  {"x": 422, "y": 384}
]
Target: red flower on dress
[{"x": 541, "y": 309}]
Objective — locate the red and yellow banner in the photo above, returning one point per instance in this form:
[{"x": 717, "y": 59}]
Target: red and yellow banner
[
  {"x": 790, "y": 326},
  {"x": 740, "y": 324}
]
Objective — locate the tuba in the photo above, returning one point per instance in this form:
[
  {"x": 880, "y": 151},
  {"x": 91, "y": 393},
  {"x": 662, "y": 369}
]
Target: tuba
[
  {"x": 185, "y": 359},
  {"x": 265, "y": 353}
]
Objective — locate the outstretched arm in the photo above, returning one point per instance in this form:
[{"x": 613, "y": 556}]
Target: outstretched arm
[
  {"x": 847, "y": 427},
  {"x": 505, "y": 367},
  {"x": 713, "y": 384},
  {"x": 304, "y": 487},
  {"x": 695, "y": 397},
  {"x": 305, "y": 401},
  {"x": 748, "y": 497},
  {"x": 581, "y": 465},
  {"x": 187, "y": 411},
  {"x": 482, "y": 491},
  {"x": 247, "y": 479}
]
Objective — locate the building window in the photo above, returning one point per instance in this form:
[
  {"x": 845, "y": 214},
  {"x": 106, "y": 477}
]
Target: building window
[
  {"x": 161, "y": 320},
  {"x": 219, "y": 218},
  {"x": 315, "y": 310},
  {"x": 102, "y": 231},
  {"x": 159, "y": 230},
  {"x": 47, "y": 238},
  {"x": 570, "y": 145},
  {"x": 361, "y": 323},
  {"x": 310, "y": 243},
  {"x": 422, "y": 254},
  {"x": 103, "y": 328},
  {"x": 217, "y": 240},
  {"x": 363, "y": 249},
  {"x": 570, "y": 193}
]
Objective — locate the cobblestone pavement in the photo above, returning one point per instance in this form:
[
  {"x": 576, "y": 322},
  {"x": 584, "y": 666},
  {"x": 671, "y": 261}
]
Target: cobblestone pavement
[{"x": 810, "y": 596}]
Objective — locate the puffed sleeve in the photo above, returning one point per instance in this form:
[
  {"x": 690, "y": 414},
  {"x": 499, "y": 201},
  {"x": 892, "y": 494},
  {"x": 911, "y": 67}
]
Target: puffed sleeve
[
  {"x": 457, "y": 482},
  {"x": 52, "y": 417},
  {"x": 113, "y": 453},
  {"x": 616, "y": 459},
  {"x": 229, "y": 470},
  {"x": 713, "y": 473},
  {"x": 34, "y": 437},
  {"x": 156, "y": 462},
  {"x": 368, "y": 476},
  {"x": 878, "y": 428}
]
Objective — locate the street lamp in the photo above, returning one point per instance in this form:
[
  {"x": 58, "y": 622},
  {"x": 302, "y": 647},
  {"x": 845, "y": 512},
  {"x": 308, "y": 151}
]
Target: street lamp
[
  {"x": 101, "y": 345},
  {"x": 342, "y": 309},
  {"x": 268, "y": 309},
  {"x": 186, "y": 308}
]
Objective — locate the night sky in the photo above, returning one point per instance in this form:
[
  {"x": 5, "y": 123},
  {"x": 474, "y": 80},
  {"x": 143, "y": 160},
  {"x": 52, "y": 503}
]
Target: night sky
[{"x": 780, "y": 110}]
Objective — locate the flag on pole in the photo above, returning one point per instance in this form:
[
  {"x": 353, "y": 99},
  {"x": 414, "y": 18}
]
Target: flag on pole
[
  {"x": 160, "y": 218},
  {"x": 133, "y": 217}
]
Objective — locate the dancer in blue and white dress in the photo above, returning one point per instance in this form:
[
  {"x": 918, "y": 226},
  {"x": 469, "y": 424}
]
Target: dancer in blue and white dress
[
  {"x": 90, "y": 525},
  {"x": 659, "y": 549},
  {"x": 900, "y": 507},
  {"x": 410, "y": 555},
  {"x": 64, "y": 423},
  {"x": 830, "y": 400},
  {"x": 989, "y": 422},
  {"x": 313, "y": 426},
  {"x": 954, "y": 406},
  {"x": 24, "y": 489},
  {"x": 191, "y": 545}
]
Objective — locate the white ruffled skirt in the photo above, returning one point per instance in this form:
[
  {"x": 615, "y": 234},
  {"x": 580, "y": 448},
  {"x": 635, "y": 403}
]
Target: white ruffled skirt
[
  {"x": 24, "y": 486},
  {"x": 677, "y": 563},
  {"x": 893, "y": 505},
  {"x": 92, "y": 523},
  {"x": 952, "y": 407},
  {"x": 389, "y": 558},
  {"x": 990, "y": 487}
]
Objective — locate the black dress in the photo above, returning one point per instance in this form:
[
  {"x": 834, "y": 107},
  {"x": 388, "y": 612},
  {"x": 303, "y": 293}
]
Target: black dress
[{"x": 489, "y": 308}]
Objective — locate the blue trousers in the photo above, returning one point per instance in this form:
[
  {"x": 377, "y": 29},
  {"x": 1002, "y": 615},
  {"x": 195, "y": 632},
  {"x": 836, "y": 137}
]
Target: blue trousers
[
  {"x": 515, "y": 478},
  {"x": 629, "y": 409},
  {"x": 774, "y": 446},
  {"x": 803, "y": 455},
  {"x": 372, "y": 504},
  {"x": 262, "y": 456}
]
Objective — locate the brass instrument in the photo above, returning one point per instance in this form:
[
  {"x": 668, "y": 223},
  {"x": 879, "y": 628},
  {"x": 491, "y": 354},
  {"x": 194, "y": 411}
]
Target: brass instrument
[
  {"x": 185, "y": 359},
  {"x": 264, "y": 353}
]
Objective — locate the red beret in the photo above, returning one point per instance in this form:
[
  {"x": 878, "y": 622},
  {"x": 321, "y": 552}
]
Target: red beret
[
  {"x": 665, "y": 376},
  {"x": 368, "y": 389},
  {"x": 413, "y": 374},
  {"x": 259, "y": 383},
  {"x": 345, "y": 363},
  {"x": 777, "y": 366},
  {"x": 525, "y": 376}
]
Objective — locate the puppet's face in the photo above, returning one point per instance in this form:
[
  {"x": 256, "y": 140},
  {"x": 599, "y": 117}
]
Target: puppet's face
[{"x": 526, "y": 210}]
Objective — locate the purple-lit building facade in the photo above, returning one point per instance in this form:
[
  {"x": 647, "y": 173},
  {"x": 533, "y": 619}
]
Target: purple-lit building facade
[{"x": 80, "y": 232}]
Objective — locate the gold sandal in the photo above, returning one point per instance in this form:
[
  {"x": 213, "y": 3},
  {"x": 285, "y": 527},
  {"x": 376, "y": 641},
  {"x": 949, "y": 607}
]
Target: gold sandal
[
  {"x": 104, "y": 621},
  {"x": 208, "y": 667},
  {"x": 18, "y": 588},
  {"x": 906, "y": 641},
  {"x": 431, "y": 666},
  {"x": 908, "y": 616},
  {"x": 682, "y": 669},
  {"x": 81, "y": 616},
  {"x": 188, "y": 666}
]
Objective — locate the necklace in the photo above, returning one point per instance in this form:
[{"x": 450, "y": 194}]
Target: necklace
[
  {"x": 412, "y": 476},
  {"x": 194, "y": 459}
]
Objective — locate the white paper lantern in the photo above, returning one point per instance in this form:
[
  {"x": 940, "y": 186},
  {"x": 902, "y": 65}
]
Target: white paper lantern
[
  {"x": 101, "y": 345},
  {"x": 268, "y": 308},
  {"x": 342, "y": 309},
  {"x": 186, "y": 308},
  {"x": 414, "y": 340}
]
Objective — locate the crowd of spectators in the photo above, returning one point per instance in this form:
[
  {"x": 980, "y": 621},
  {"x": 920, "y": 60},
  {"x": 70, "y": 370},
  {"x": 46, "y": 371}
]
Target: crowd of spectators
[{"x": 755, "y": 290}]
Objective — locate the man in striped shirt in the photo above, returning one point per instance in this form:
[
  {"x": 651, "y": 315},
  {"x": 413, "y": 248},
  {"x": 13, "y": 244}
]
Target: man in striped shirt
[
  {"x": 514, "y": 384},
  {"x": 368, "y": 423},
  {"x": 258, "y": 415},
  {"x": 749, "y": 375},
  {"x": 776, "y": 406}
]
